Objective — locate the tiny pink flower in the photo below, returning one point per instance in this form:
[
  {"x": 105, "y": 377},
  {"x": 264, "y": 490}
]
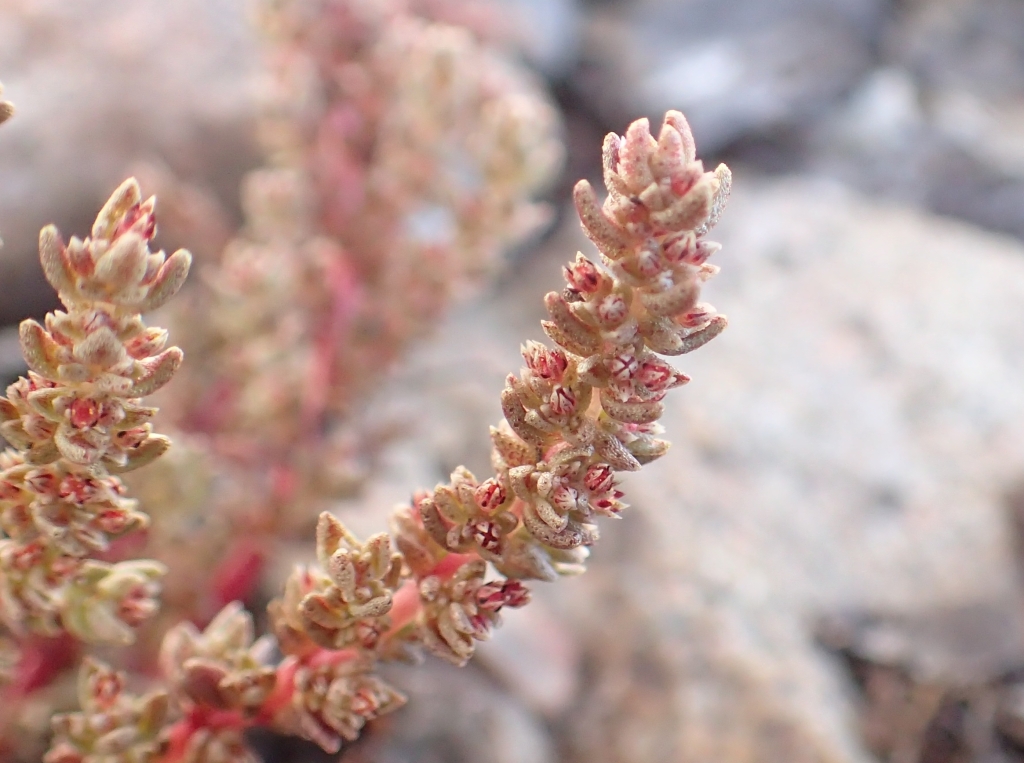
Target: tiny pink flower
[
  {"x": 612, "y": 310},
  {"x": 648, "y": 261},
  {"x": 515, "y": 594},
  {"x": 491, "y": 597},
  {"x": 623, "y": 366},
  {"x": 487, "y": 534},
  {"x": 132, "y": 438},
  {"x": 583, "y": 276},
  {"x": 84, "y": 412},
  {"x": 78, "y": 490},
  {"x": 600, "y": 478},
  {"x": 565, "y": 498},
  {"x": 563, "y": 401}
]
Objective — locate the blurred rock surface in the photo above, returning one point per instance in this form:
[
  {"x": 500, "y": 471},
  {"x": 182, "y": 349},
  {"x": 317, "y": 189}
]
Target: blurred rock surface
[
  {"x": 921, "y": 101},
  {"x": 733, "y": 68},
  {"x": 455, "y": 715},
  {"x": 99, "y": 85},
  {"x": 549, "y": 32},
  {"x": 12, "y": 365},
  {"x": 938, "y": 121}
]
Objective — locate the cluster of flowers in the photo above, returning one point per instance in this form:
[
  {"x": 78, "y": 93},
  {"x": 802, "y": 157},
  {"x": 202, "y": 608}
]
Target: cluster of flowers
[
  {"x": 577, "y": 414},
  {"x": 77, "y": 421}
]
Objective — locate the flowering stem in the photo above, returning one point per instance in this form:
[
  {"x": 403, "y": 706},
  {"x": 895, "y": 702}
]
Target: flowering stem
[{"x": 197, "y": 719}]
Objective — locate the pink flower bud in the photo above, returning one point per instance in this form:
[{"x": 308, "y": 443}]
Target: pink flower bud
[
  {"x": 490, "y": 495},
  {"x": 62, "y": 339},
  {"x": 698, "y": 316},
  {"x": 364, "y": 703},
  {"x": 368, "y": 633},
  {"x": 113, "y": 521},
  {"x": 481, "y": 626},
  {"x": 148, "y": 343},
  {"x": 680, "y": 247},
  {"x": 515, "y": 594},
  {"x": 607, "y": 506},
  {"x": 38, "y": 428},
  {"x": 105, "y": 688},
  {"x": 28, "y": 556},
  {"x": 489, "y": 597},
  {"x": 138, "y": 605},
  {"x": 79, "y": 257},
  {"x": 703, "y": 251},
  {"x": 492, "y": 596},
  {"x": 656, "y": 375},
  {"x": 600, "y": 478},
  {"x": 684, "y": 178},
  {"x": 62, "y": 569},
  {"x": 95, "y": 320},
  {"x": 545, "y": 362},
  {"x": 77, "y": 489},
  {"x": 132, "y": 438},
  {"x": 583, "y": 275},
  {"x": 141, "y": 218}
]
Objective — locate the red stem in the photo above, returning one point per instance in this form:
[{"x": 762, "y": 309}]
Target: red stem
[
  {"x": 236, "y": 577},
  {"x": 42, "y": 660},
  {"x": 403, "y": 611},
  {"x": 196, "y": 719}
]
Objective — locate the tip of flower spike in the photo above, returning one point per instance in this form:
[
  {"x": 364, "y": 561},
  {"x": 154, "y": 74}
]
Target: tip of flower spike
[
  {"x": 127, "y": 195},
  {"x": 676, "y": 119}
]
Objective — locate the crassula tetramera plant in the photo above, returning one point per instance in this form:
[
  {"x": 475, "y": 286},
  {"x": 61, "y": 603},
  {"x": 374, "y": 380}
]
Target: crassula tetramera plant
[{"x": 578, "y": 413}]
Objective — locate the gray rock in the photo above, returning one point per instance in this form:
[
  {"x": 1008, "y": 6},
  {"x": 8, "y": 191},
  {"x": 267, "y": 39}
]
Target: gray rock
[
  {"x": 939, "y": 121},
  {"x": 733, "y": 68},
  {"x": 548, "y": 32},
  {"x": 943, "y": 148},
  {"x": 457, "y": 715},
  {"x": 12, "y": 365},
  {"x": 100, "y": 85},
  {"x": 966, "y": 45},
  {"x": 922, "y": 102}
]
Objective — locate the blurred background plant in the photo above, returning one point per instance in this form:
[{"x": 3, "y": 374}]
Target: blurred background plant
[
  {"x": 850, "y": 443},
  {"x": 404, "y": 157}
]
